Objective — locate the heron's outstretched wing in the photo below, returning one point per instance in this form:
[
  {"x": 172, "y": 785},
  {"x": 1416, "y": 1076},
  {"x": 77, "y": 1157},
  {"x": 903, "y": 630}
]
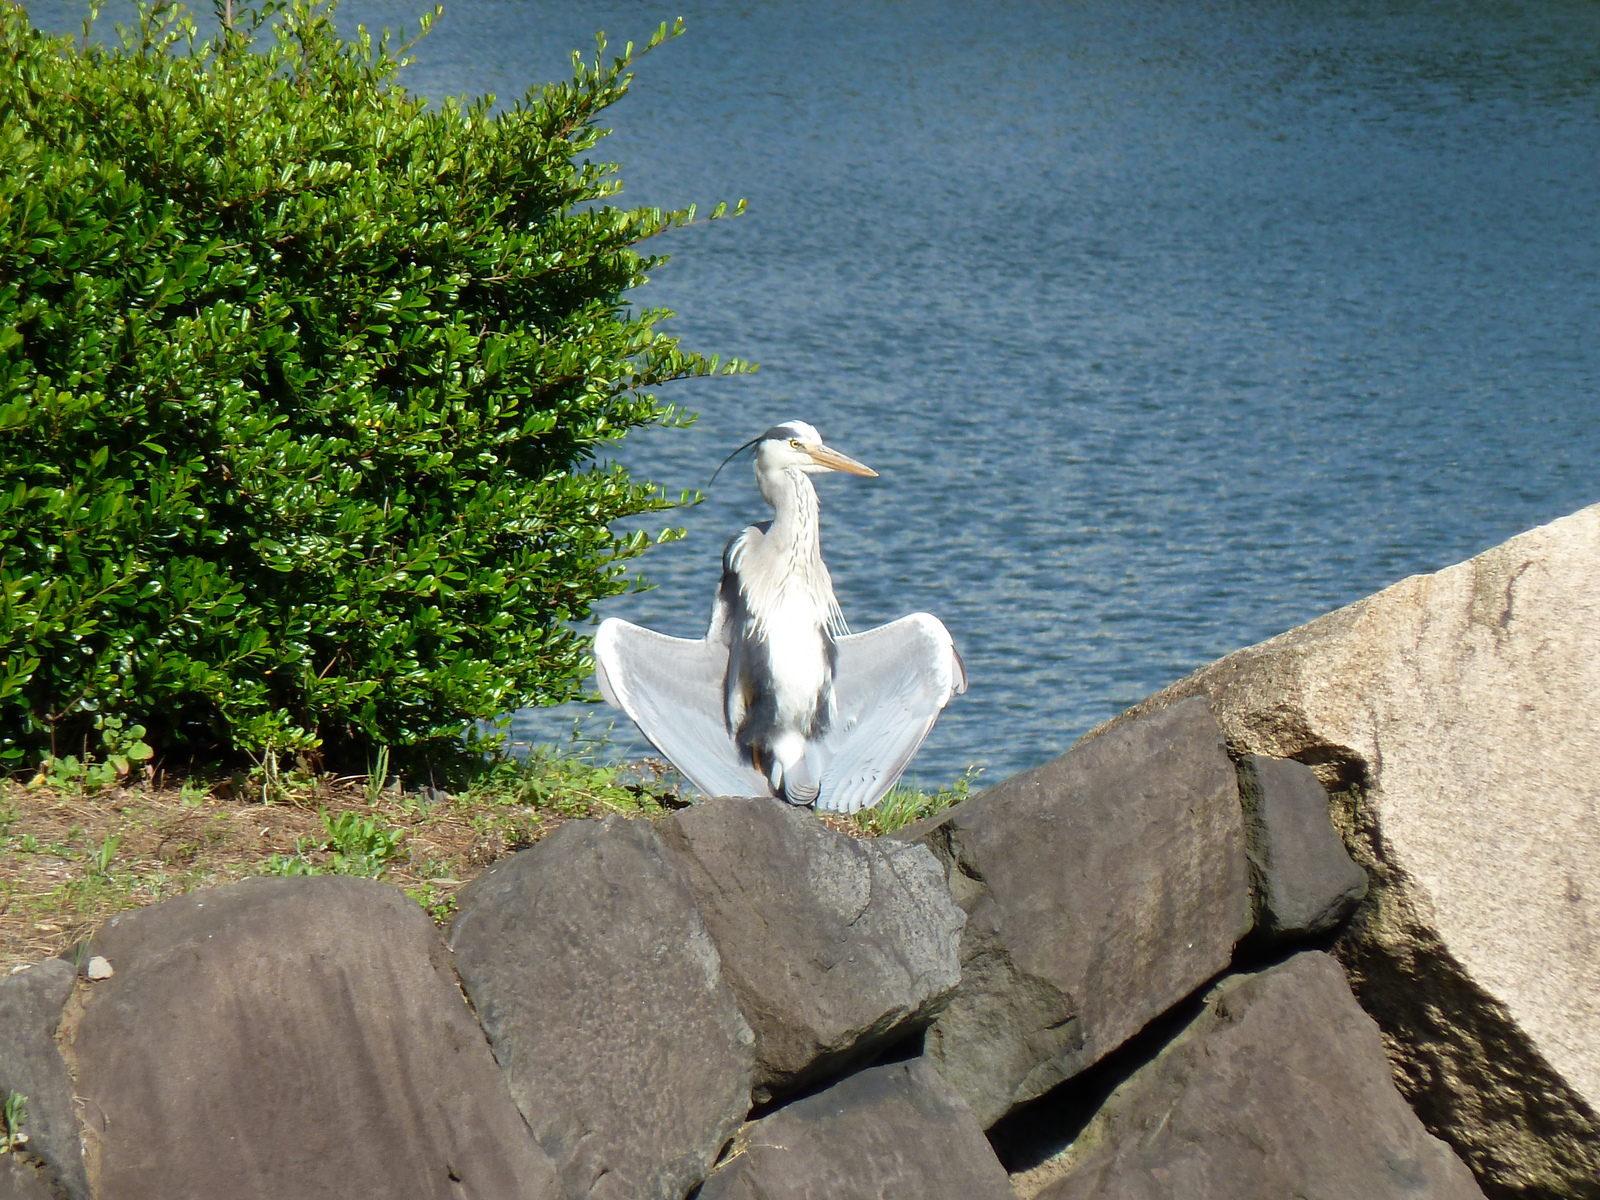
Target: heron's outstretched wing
[
  {"x": 889, "y": 686},
  {"x": 672, "y": 690}
]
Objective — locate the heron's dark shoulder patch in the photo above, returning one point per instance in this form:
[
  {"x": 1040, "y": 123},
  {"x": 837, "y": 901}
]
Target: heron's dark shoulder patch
[{"x": 737, "y": 619}]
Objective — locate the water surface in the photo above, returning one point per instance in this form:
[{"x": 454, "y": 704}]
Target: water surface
[{"x": 1169, "y": 325}]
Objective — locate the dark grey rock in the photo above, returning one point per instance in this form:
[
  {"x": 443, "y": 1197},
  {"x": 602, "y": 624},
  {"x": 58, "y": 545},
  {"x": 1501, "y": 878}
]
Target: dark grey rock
[
  {"x": 896, "y": 1132},
  {"x": 426, "y": 798},
  {"x": 834, "y": 945},
  {"x": 1100, "y": 889},
  {"x": 291, "y": 1037},
  {"x": 31, "y": 1003},
  {"x": 24, "y": 1179},
  {"x": 1279, "y": 1088},
  {"x": 1306, "y": 882},
  {"x": 603, "y": 996}
]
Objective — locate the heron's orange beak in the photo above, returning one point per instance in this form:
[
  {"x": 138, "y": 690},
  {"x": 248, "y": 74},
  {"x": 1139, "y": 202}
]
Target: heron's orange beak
[{"x": 826, "y": 456}]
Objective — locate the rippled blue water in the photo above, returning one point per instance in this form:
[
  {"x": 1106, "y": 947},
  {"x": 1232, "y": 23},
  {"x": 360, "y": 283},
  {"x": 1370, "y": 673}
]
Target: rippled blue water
[{"x": 1169, "y": 325}]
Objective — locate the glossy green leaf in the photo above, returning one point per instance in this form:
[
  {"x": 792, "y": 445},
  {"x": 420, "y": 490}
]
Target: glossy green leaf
[{"x": 305, "y": 388}]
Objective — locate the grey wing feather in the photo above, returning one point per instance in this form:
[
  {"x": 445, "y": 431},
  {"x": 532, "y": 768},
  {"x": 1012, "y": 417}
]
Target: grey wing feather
[
  {"x": 889, "y": 687},
  {"x": 671, "y": 688}
]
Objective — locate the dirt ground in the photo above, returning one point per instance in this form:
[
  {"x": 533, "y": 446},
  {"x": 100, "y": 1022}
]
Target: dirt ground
[{"x": 69, "y": 861}]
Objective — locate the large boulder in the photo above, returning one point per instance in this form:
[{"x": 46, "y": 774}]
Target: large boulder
[
  {"x": 31, "y": 1004},
  {"x": 1101, "y": 888},
  {"x": 895, "y": 1132},
  {"x": 1305, "y": 880},
  {"x": 1279, "y": 1088},
  {"x": 603, "y": 997},
  {"x": 23, "y": 1178},
  {"x": 290, "y": 1037},
  {"x": 1458, "y": 715},
  {"x": 834, "y": 945}
]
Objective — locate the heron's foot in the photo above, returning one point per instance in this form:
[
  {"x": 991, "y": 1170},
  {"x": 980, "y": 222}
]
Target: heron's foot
[
  {"x": 800, "y": 797},
  {"x": 797, "y": 785}
]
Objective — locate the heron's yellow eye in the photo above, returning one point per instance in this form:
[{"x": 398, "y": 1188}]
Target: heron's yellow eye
[{"x": 795, "y": 442}]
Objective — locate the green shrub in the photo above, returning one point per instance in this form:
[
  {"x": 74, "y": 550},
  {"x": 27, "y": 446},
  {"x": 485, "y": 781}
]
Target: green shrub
[{"x": 302, "y": 384}]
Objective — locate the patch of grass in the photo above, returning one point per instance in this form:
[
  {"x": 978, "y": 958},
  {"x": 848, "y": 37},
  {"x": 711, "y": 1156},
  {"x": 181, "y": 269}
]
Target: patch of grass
[
  {"x": 358, "y": 845},
  {"x": 907, "y": 803},
  {"x": 71, "y": 859},
  {"x": 575, "y": 785}
]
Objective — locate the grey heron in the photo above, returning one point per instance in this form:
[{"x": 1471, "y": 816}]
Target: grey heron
[{"x": 780, "y": 698}]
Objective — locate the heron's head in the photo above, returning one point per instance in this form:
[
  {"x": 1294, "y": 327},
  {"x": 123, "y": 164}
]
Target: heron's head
[{"x": 796, "y": 444}]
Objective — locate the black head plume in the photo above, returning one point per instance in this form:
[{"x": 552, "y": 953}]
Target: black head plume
[{"x": 733, "y": 456}]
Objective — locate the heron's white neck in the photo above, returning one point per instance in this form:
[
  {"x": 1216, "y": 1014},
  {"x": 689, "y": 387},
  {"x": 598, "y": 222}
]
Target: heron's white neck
[{"x": 796, "y": 526}]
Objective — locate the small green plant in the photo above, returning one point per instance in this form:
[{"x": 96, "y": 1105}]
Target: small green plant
[
  {"x": 30, "y": 845},
  {"x": 100, "y": 856},
  {"x": 439, "y": 907},
  {"x": 270, "y": 741},
  {"x": 192, "y": 795},
  {"x": 16, "y": 1115},
  {"x": 122, "y": 744},
  {"x": 63, "y": 774},
  {"x": 907, "y": 803},
  {"x": 360, "y": 846},
  {"x": 122, "y": 751},
  {"x": 378, "y": 776},
  {"x": 266, "y": 775},
  {"x": 291, "y": 864}
]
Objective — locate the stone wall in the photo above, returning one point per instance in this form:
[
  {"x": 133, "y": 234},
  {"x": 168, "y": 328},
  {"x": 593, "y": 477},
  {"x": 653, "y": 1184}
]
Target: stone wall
[{"x": 1317, "y": 921}]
